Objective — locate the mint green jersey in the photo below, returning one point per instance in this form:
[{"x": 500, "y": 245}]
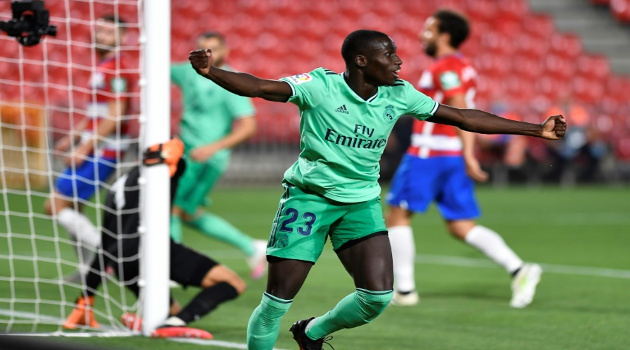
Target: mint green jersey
[
  {"x": 208, "y": 109},
  {"x": 342, "y": 136}
]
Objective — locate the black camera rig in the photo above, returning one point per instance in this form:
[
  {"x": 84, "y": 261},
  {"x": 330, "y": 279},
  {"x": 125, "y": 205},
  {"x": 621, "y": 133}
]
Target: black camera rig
[{"x": 29, "y": 23}]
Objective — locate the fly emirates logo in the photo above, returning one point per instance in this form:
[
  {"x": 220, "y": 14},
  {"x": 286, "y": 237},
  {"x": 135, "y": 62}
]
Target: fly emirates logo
[{"x": 360, "y": 139}]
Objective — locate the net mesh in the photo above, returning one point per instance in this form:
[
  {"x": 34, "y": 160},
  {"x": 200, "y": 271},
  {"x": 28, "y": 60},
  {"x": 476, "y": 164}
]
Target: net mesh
[{"x": 49, "y": 92}]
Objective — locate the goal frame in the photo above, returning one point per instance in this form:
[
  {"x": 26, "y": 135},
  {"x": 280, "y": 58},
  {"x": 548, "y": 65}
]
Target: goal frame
[{"x": 155, "y": 182}]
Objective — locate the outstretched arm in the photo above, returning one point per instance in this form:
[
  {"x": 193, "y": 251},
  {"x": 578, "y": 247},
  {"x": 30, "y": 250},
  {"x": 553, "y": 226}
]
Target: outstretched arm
[
  {"x": 486, "y": 123},
  {"x": 242, "y": 84},
  {"x": 473, "y": 168}
]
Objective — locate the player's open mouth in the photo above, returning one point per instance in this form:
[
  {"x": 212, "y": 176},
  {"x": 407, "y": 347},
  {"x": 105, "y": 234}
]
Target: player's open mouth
[{"x": 396, "y": 73}]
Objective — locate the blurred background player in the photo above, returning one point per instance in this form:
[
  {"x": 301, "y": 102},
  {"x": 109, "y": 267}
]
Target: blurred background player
[
  {"x": 121, "y": 241},
  {"x": 444, "y": 155},
  {"x": 101, "y": 135},
  {"x": 208, "y": 134}
]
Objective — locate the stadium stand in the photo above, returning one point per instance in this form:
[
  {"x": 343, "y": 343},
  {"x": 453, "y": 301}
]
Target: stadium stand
[{"x": 522, "y": 59}]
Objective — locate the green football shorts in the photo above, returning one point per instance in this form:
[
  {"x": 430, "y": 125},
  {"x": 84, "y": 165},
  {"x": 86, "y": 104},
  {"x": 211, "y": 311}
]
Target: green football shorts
[
  {"x": 198, "y": 179},
  {"x": 305, "y": 220}
]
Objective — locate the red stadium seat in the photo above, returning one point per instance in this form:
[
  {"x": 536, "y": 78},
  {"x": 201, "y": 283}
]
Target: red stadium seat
[
  {"x": 56, "y": 8},
  {"x": 510, "y": 27},
  {"x": 514, "y": 9},
  {"x": 481, "y": 10},
  {"x": 391, "y": 10},
  {"x": 418, "y": 10},
  {"x": 621, "y": 10},
  {"x": 552, "y": 88},
  {"x": 622, "y": 94},
  {"x": 558, "y": 66},
  {"x": 350, "y": 8},
  {"x": 525, "y": 67},
  {"x": 495, "y": 43},
  {"x": 520, "y": 89},
  {"x": 567, "y": 45},
  {"x": 586, "y": 91},
  {"x": 56, "y": 96},
  {"x": 615, "y": 86},
  {"x": 59, "y": 77},
  {"x": 533, "y": 46},
  {"x": 594, "y": 66},
  {"x": 496, "y": 65},
  {"x": 539, "y": 25}
]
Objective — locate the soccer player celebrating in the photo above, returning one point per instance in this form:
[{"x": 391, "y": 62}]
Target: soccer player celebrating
[
  {"x": 187, "y": 267},
  {"x": 332, "y": 191},
  {"x": 102, "y": 136},
  {"x": 445, "y": 156},
  {"x": 206, "y": 129}
]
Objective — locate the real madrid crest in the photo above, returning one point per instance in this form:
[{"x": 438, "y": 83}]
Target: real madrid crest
[{"x": 389, "y": 113}]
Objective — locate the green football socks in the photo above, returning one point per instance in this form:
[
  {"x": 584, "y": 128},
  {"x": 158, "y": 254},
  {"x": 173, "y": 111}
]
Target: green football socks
[
  {"x": 264, "y": 324},
  {"x": 356, "y": 309},
  {"x": 217, "y": 228},
  {"x": 176, "y": 228}
]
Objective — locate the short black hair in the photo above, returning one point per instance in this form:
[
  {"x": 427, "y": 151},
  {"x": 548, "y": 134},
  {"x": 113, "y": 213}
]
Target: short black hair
[
  {"x": 357, "y": 42},
  {"x": 212, "y": 35},
  {"x": 453, "y": 23},
  {"x": 122, "y": 24}
]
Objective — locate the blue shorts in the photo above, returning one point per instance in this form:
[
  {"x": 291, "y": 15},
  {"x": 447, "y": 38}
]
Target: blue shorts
[
  {"x": 83, "y": 181},
  {"x": 419, "y": 181}
]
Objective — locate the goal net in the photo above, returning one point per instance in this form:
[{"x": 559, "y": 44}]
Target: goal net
[{"x": 56, "y": 99}]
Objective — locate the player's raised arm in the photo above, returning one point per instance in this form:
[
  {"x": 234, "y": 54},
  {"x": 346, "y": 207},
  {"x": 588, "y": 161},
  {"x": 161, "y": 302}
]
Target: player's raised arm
[
  {"x": 486, "y": 123},
  {"x": 239, "y": 83}
]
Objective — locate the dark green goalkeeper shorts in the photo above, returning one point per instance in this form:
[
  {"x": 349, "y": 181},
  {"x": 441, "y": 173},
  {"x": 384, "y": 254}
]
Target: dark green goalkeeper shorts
[{"x": 304, "y": 221}]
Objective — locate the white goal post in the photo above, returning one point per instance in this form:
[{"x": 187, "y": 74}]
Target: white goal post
[
  {"x": 155, "y": 212},
  {"x": 46, "y": 91}
]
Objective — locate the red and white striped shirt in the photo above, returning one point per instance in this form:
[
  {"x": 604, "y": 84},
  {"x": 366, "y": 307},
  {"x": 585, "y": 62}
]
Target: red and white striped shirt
[
  {"x": 447, "y": 77},
  {"x": 110, "y": 81}
]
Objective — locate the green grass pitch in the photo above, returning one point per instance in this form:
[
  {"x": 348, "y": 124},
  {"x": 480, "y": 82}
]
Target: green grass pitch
[{"x": 580, "y": 235}]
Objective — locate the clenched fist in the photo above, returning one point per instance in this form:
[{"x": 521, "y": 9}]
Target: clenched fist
[
  {"x": 201, "y": 60},
  {"x": 554, "y": 127}
]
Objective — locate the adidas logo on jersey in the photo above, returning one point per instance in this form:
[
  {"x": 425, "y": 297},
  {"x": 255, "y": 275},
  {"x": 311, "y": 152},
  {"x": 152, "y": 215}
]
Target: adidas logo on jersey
[{"x": 342, "y": 109}]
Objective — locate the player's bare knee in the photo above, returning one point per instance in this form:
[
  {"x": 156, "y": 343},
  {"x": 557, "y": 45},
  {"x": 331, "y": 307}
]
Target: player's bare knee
[
  {"x": 460, "y": 228},
  {"x": 55, "y": 204},
  {"x": 397, "y": 216},
  {"x": 221, "y": 273}
]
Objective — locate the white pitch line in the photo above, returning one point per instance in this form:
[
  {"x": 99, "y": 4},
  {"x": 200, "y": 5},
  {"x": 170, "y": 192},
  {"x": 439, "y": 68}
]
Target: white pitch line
[
  {"x": 219, "y": 343},
  {"x": 56, "y": 320},
  {"x": 549, "y": 268}
]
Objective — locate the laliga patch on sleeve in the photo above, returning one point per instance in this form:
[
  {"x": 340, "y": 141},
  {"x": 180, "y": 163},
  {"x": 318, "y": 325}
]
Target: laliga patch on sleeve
[
  {"x": 300, "y": 78},
  {"x": 450, "y": 80}
]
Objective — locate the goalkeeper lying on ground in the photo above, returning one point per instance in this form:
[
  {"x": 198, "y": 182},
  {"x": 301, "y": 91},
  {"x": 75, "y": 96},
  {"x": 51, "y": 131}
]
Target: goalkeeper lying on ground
[{"x": 188, "y": 267}]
